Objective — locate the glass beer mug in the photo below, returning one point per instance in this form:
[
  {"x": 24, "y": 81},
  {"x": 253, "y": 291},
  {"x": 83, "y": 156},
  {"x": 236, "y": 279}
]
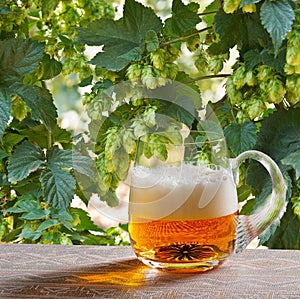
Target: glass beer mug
[{"x": 183, "y": 205}]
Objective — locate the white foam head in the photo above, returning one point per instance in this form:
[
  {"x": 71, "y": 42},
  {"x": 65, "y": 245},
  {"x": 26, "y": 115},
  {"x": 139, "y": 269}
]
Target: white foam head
[{"x": 182, "y": 192}]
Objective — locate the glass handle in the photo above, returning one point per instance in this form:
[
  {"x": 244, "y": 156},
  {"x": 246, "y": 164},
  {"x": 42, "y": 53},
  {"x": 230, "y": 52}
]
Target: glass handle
[{"x": 250, "y": 226}]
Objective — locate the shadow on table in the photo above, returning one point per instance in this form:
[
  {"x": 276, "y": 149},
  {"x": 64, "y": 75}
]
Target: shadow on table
[
  {"x": 129, "y": 273},
  {"x": 109, "y": 280}
]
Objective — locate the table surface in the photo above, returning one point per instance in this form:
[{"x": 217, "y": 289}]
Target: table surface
[{"x": 58, "y": 271}]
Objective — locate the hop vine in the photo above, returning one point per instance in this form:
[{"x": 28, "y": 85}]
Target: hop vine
[
  {"x": 54, "y": 23},
  {"x": 253, "y": 92}
]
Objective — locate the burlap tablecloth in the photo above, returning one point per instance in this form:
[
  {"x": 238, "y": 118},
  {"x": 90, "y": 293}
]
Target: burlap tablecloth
[{"x": 57, "y": 271}]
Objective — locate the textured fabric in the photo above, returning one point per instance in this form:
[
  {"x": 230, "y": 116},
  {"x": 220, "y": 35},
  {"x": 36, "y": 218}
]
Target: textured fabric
[{"x": 57, "y": 271}]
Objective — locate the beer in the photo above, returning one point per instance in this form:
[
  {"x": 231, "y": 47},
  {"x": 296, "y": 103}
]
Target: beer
[
  {"x": 183, "y": 215},
  {"x": 184, "y": 240}
]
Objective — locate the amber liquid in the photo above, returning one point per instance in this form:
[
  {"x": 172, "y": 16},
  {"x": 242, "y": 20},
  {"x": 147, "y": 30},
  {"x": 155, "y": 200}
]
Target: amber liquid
[{"x": 184, "y": 241}]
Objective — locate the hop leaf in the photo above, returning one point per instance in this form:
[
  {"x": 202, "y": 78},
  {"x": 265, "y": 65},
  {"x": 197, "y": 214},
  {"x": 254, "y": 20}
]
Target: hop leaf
[
  {"x": 293, "y": 159},
  {"x": 59, "y": 186},
  {"x": 124, "y": 39},
  {"x": 26, "y": 159},
  {"x": 277, "y": 17},
  {"x": 249, "y": 36},
  {"x": 5, "y": 108},
  {"x": 241, "y": 138},
  {"x": 184, "y": 19},
  {"x": 18, "y": 58}
]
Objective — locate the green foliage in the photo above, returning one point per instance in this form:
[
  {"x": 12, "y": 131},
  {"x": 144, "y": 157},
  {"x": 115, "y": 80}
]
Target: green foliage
[
  {"x": 279, "y": 138},
  {"x": 124, "y": 40},
  {"x": 243, "y": 30},
  {"x": 27, "y": 158},
  {"x": 5, "y": 108},
  {"x": 266, "y": 57},
  {"x": 293, "y": 159},
  {"x": 183, "y": 20},
  {"x": 247, "y": 2},
  {"x": 20, "y": 57},
  {"x": 240, "y": 138},
  {"x": 259, "y": 88},
  {"x": 277, "y": 17},
  {"x": 279, "y": 134},
  {"x": 38, "y": 167},
  {"x": 132, "y": 96},
  {"x": 287, "y": 235}
]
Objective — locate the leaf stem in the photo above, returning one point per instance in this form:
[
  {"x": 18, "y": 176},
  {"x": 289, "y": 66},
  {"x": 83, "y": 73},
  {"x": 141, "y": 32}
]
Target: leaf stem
[
  {"x": 207, "y": 77},
  {"x": 207, "y": 13},
  {"x": 179, "y": 39},
  {"x": 49, "y": 139}
]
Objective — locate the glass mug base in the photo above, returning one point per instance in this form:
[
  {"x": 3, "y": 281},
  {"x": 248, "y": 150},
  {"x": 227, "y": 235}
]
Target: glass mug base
[{"x": 184, "y": 257}]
